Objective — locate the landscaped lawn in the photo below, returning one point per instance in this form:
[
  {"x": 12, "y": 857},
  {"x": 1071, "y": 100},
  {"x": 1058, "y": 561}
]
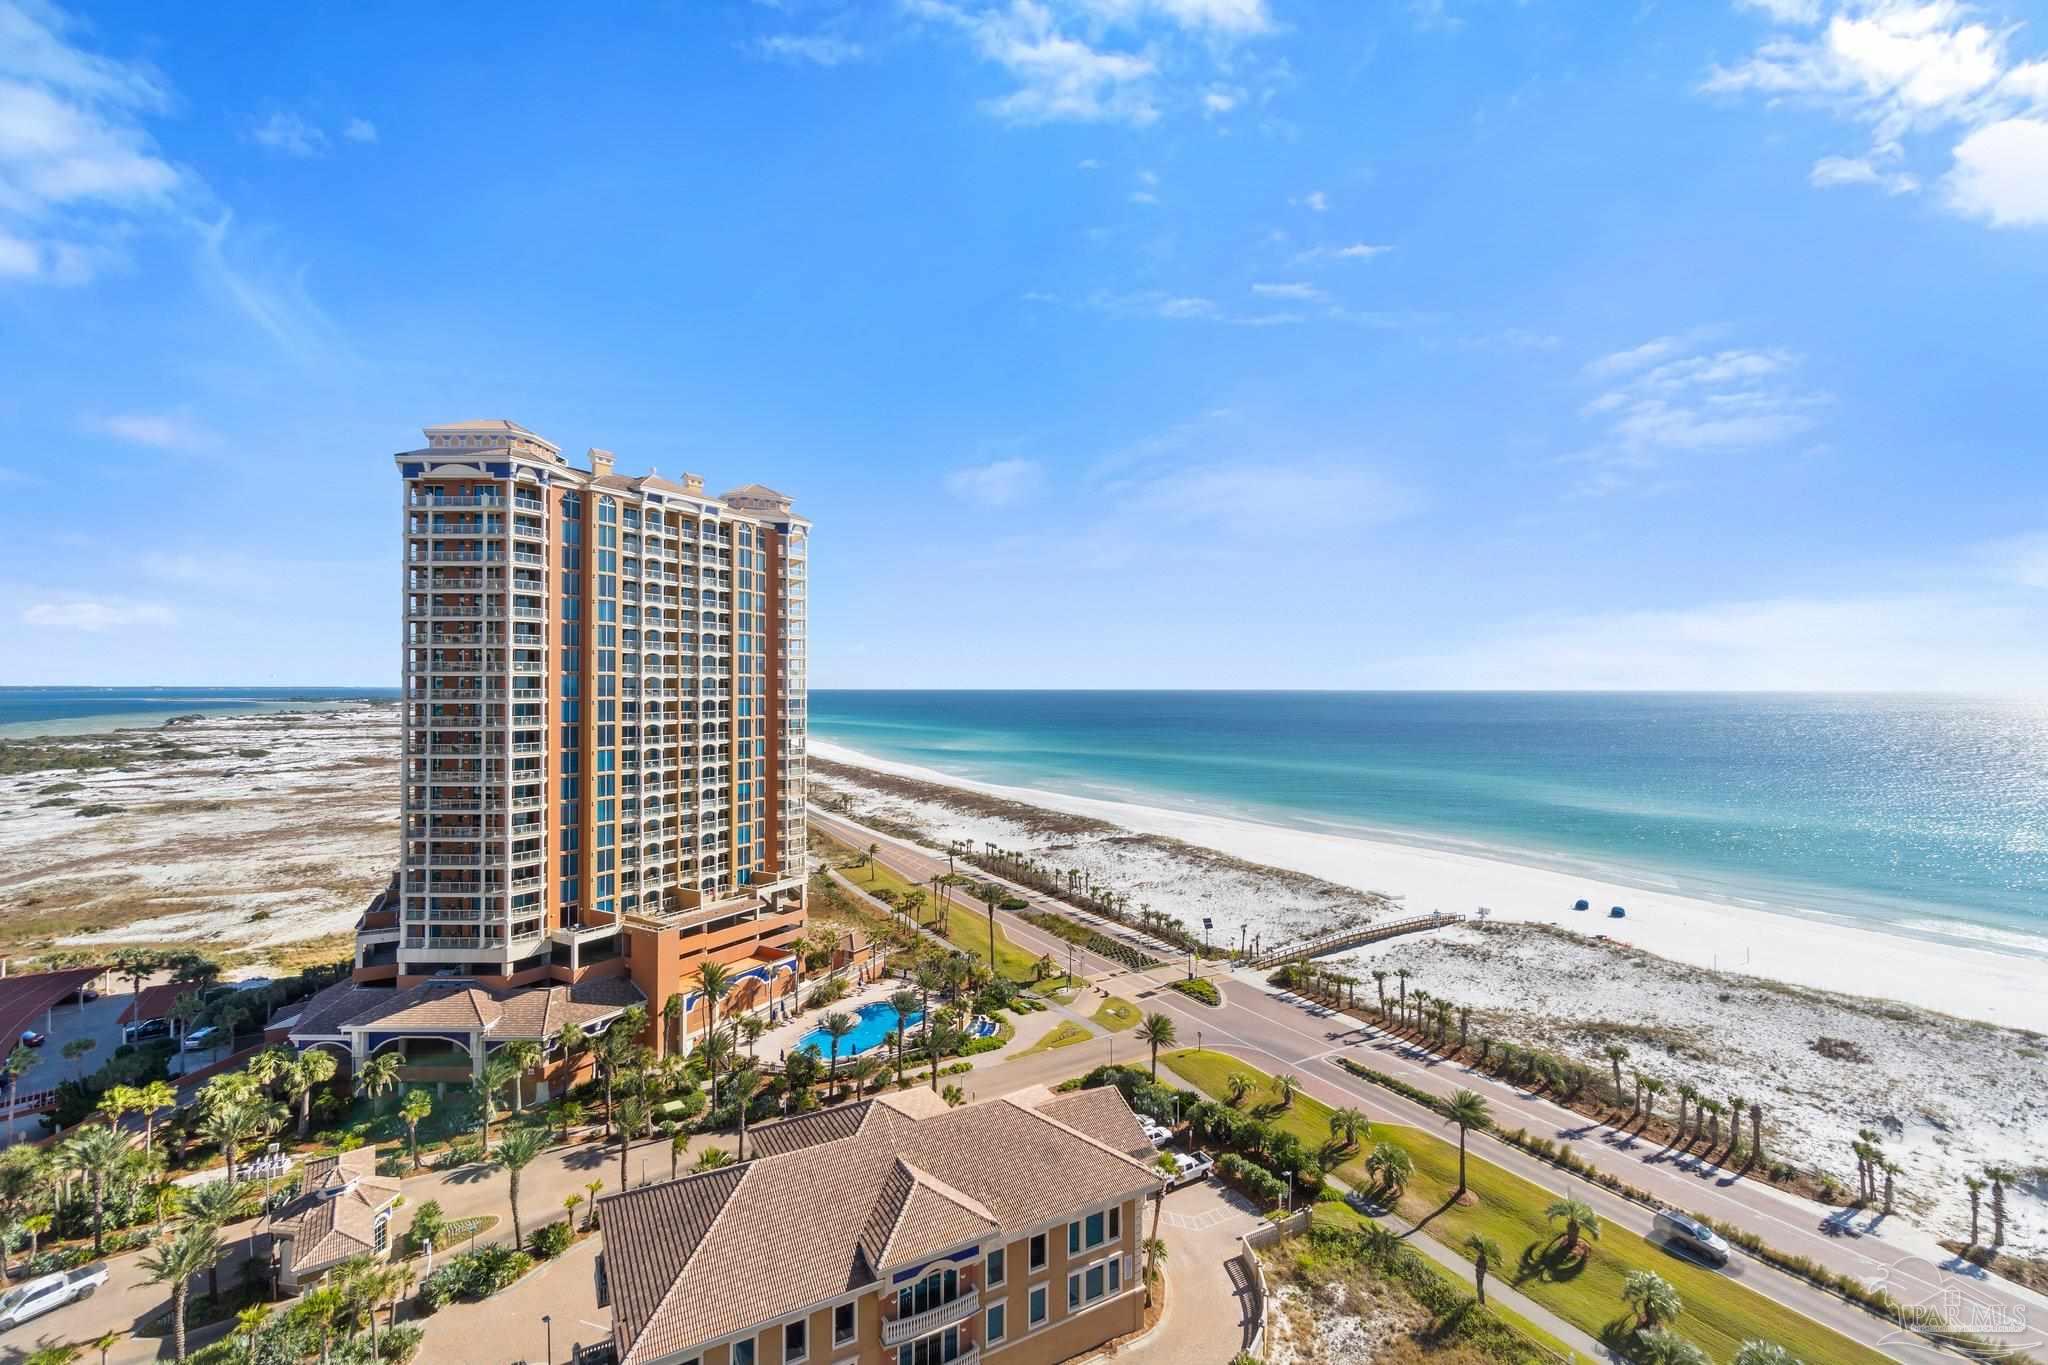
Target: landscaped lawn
[
  {"x": 966, "y": 920},
  {"x": 1719, "y": 1316},
  {"x": 1116, "y": 1013},
  {"x": 1067, "y": 1034}
]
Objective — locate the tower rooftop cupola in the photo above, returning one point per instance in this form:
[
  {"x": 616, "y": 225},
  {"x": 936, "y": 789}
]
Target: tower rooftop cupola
[{"x": 491, "y": 433}]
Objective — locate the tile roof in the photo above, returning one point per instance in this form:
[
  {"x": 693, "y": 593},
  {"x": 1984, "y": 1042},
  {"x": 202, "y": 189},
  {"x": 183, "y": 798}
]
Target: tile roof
[
  {"x": 335, "y": 1215},
  {"x": 462, "y": 1006},
  {"x": 1102, "y": 1115},
  {"x": 832, "y": 1201}
]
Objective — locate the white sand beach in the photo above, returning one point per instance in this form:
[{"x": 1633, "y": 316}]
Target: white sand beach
[
  {"x": 1943, "y": 1051},
  {"x": 1824, "y": 952}
]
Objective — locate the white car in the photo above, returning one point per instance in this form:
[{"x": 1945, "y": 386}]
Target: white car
[
  {"x": 199, "y": 1039},
  {"x": 1190, "y": 1168},
  {"x": 1159, "y": 1134},
  {"x": 1691, "y": 1236},
  {"x": 45, "y": 1292}
]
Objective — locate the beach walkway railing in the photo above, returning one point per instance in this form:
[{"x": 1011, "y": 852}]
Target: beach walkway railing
[{"x": 1337, "y": 940}]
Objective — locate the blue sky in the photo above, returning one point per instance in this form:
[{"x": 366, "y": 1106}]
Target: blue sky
[{"x": 1108, "y": 342}]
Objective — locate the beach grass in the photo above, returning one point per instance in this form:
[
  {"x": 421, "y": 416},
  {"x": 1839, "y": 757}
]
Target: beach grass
[
  {"x": 966, "y": 924},
  {"x": 1065, "y": 1035},
  {"x": 1116, "y": 1013},
  {"x": 1720, "y": 1314},
  {"x": 1341, "y": 1215}
]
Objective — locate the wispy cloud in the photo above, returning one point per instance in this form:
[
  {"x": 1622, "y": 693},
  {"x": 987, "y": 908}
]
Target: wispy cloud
[
  {"x": 1672, "y": 397},
  {"x": 999, "y": 483},
  {"x": 1306, "y": 293},
  {"x": 817, "y": 49},
  {"x": 1909, "y": 70},
  {"x": 1101, "y": 61},
  {"x": 83, "y": 613},
  {"x": 290, "y": 135},
  {"x": 359, "y": 130},
  {"x": 1355, "y": 251},
  {"x": 1315, "y": 201},
  {"x": 161, "y": 431},
  {"x": 78, "y": 168}
]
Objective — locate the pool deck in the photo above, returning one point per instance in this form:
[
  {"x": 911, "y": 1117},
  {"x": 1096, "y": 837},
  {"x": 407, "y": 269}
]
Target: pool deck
[{"x": 778, "y": 1041}]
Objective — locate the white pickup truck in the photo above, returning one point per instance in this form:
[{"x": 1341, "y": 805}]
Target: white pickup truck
[{"x": 33, "y": 1298}]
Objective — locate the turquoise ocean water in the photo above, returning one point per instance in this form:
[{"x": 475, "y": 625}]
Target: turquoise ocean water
[
  {"x": 26, "y": 711},
  {"x": 1927, "y": 813}
]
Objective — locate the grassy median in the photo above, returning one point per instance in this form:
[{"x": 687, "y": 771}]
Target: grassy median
[
  {"x": 966, "y": 920},
  {"x": 1720, "y": 1314}
]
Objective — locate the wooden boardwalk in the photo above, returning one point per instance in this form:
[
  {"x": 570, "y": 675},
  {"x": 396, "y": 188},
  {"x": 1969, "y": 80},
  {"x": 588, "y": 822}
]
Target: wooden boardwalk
[{"x": 1338, "y": 940}]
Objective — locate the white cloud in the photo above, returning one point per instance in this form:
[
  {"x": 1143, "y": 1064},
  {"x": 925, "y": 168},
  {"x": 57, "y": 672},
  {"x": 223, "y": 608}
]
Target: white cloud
[
  {"x": 1306, "y": 293},
  {"x": 359, "y": 130},
  {"x": 1668, "y": 398},
  {"x": 2001, "y": 174},
  {"x": 162, "y": 431},
  {"x": 1100, "y": 61},
  {"x": 1088, "y": 164},
  {"x": 1221, "y": 100},
  {"x": 1971, "y": 640},
  {"x": 1908, "y": 70},
  {"x": 1143, "y": 197},
  {"x": 819, "y": 49},
  {"x": 87, "y": 614},
  {"x": 1315, "y": 201},
  {"x": 1356, "y": 251},
  {"x": 997, "y": 484},
  {"x": 1785, "y": 11},
  {"x": 289, "y": 134},
  {"x": 1831, "y": 171},
  {"x": 77, "y": 167}
]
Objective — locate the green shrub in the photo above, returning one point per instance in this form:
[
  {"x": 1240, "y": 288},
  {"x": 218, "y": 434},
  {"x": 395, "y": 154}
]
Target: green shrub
[
  {"x": 473, "y": 1275},
  {"x": 1198, "y": 988},
  {"x": 398, "y": 1344},
  {"x": 97, "y": 808},
  {"x": 551, "y": 1241}
]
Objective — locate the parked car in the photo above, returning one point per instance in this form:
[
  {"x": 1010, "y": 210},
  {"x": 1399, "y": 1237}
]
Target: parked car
[
  {"x": 33, "y": 1039},
  {"x": 200, "y": 1039},
  {"x": 144, "y": 1029},
  {"x": 1159, "y": 1134},
  {"x": 1190, "y": 1168},
  {"x": 40, "y": 1295},
  {"x": 1691, "y": 1236}
]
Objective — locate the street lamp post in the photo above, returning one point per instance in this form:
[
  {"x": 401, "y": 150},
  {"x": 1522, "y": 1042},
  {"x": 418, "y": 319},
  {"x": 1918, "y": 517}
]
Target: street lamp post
[{"x": 547, "y": 1320}]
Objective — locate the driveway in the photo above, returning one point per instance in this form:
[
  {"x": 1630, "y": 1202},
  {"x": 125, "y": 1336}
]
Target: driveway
[
  {"x": 1208, "y": 1304},
  {"x": 508, "y": 1326}
]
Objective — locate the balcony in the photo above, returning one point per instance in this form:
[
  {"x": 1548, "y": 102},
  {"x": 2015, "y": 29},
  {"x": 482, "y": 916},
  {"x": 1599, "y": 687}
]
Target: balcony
[{"x": 455, "y": 500}]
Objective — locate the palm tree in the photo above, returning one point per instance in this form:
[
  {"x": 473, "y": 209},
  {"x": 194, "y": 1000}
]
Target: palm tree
[
  {"x": 1468, "y": 1111},
  {"x": 1286, "y": 1085},
  {"x": 215, "y": 1204},
  {"x": 1156, "y": 1031},
  {"x": 1349, "y": 1126},
  {"x": 517, "y": 1149},
  {"x": 378, "y": 1076},
  {"x": 836, "y": 1026},
  {"x": 313, "y": 1069},
  {"x": 1579, "y": 1219},
  {"x": 1652, "y": 1296},
  {"x": 500, "y": 1070},
  {"x": 1687, "y": 1093},
  {"x": 868, "y": 859},
  {"x": 1379, "y": 979},
  {"x": 1391, "y": 1164},
  {"x": 414, "y": 1109},
  {"x": 19, "y": 1062},
  {"x": 1976, "y": 1188},
  {"x": 672, "y": 1017},
  {"x": 230, "y": 1125},
  {"x": 118, "y": 1101},
  {"x": 56, "y": 1353},
  {"x": 248, "y": 1323},
  {"x": 1402, "y": 974},
  {"x": 631, "y": 1122},
  {"x": 991, "y": 895},
  {"x": 1764, "y": 1353},
  {"x": 712, "y": 1158},
  {"x": 863, "y": 1072},
  {"x": 1616, "y": 1053},
  {"x": 1652, "y": 1088},
  {"x": 1656, "y": 1346},
  {"x": 192, "y": 1249},
  {"x": 526, "y": 1057},
  {"x": 714, "y": 980},
  {"x": 151, "y": 1100},
  {"x": 1237, "y": 1085},
  {"x": 740, "y": 1088},
  {"x": 1485, "y": 1255},
  {"x": 905, "y": 1004},
  {"x": 2000, "y": 1177}
]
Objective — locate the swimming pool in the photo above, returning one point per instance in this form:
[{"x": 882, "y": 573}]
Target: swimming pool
[{"x": 870, "y": 1023}]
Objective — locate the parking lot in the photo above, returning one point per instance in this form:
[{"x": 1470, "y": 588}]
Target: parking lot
[{"x": 23, "y": 1006}]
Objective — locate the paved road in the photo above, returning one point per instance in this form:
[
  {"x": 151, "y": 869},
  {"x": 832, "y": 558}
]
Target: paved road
[
  {"x": 1208, "y": 1302},
  {"x": 1280, "y": 1032}
]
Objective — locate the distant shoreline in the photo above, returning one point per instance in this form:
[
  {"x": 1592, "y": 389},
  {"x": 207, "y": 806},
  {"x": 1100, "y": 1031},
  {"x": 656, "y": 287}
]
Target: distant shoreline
[
  {"x": 201, "y": 703},
  {"x": 1998, "y": 979}
]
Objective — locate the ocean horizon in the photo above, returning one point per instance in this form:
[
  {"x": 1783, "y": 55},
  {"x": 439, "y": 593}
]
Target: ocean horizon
[
  {"x": 28, "y": 712},
  {"x": 1926, "y": 814}
]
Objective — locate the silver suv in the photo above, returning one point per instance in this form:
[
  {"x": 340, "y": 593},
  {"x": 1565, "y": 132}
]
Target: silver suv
[{"x": 1690, "y": 1235}]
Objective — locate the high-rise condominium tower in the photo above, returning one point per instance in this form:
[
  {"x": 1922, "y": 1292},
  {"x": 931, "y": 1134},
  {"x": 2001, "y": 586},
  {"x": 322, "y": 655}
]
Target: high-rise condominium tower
[{"x": 604, "y": 722}]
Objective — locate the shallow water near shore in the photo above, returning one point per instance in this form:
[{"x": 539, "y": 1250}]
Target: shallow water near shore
[{"x": 1919, "y": 815}]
